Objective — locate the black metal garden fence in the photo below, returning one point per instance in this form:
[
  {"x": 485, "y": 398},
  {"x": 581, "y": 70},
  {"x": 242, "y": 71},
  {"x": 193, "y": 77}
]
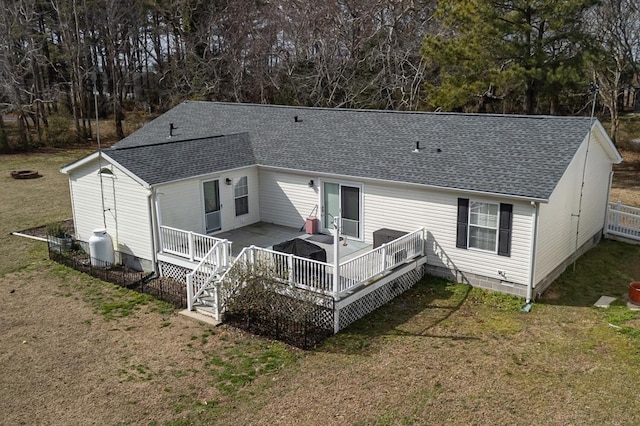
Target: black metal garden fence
[
  {"x": 75, "y": 256},
  {"x": 295, "y": 316}
]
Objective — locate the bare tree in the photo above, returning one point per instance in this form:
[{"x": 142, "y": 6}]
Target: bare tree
[
  {"x": 20, "y": 67},
  {"x": 616, "y": 27}
]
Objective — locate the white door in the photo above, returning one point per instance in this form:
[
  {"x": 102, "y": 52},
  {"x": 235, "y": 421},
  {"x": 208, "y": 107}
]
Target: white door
[{"x": 211, "y": 192}]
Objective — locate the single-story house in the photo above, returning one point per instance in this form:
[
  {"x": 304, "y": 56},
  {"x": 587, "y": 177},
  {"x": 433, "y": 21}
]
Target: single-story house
[{"x": 506, "y": 201}]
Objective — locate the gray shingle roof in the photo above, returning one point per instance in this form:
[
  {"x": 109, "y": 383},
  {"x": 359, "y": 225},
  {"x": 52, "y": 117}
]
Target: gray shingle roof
[
  {"x": 174, "y": 160},
  {"x": 522, "y": 156}
]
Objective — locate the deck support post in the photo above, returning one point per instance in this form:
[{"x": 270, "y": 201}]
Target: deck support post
[
  {"x": 191, "y": 257},
  {"x": 336, "y": 257},
  {"x": 225, "y": 254},
  {"x": 189, "y": 292},
  {"x": 290, "y": 267},
  {"x": 216, "y": 292},
  {"x": 383, "y": 250},
  {"x": 251, "y": 259}
]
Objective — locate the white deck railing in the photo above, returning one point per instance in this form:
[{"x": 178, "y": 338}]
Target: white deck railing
[
  {"x": 297, "y": 271},
  {"x": 199, "y": 280},
  {"x": 623, "y": 220},
  {"x": 187, "y": 244},
  {"x": 285, "y": 268},
  {"x": 307, "y": 273},
  {"x": 361, "y": 269}
]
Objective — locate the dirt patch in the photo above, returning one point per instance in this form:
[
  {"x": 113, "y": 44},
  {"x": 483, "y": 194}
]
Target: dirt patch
[
  {"x": 551, "y": 294},
  {"x": 41, "y": 231},
  {"x": 634, "y": 323},
  {"x": 626, "y": 180}
]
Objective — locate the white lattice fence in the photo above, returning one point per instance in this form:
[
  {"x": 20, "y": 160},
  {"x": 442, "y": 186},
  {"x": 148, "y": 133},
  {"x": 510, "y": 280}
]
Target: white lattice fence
[
  {"x": 176, "y": 272},
  {"x": 372, "y": 301}
]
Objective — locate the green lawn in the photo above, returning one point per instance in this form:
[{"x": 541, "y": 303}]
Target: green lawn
[{"x": 442, "y": 353}]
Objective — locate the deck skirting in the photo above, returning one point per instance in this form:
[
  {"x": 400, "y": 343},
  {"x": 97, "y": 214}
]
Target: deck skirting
[
  {"x": 170, "y": 269},
  {"x": 365, "y": 301}
]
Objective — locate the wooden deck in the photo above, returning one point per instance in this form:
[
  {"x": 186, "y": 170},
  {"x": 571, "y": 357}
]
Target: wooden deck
[{"x": 355, "y": 283}]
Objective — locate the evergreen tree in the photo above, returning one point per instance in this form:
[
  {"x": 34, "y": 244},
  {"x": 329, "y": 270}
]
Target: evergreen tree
[{"x": 523, "y": 53}]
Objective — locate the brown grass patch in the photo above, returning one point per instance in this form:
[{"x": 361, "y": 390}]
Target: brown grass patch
[{"x": 626, "y": 180}]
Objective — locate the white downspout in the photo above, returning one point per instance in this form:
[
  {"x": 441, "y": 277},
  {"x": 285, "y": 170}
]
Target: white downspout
[
  {"x": 606, "y": 208},
  {"x": 152, "y": 228},
  {"x": 336, "y": 272},
  {"x": 532, "y": 257},
  {"x": 158, "y": 212}
]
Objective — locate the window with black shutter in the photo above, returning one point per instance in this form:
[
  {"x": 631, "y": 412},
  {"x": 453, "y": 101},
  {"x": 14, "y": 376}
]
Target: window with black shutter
[
  {"x": 463, "y": 222},
  {"x": 484, "y": 226},
  {"x": 504, "y": 232}
]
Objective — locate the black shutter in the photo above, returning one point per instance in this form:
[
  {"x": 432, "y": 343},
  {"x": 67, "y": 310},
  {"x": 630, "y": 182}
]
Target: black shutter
[
  {"x": 463, "y": 222},
  {"x": 504, "y": 232}
]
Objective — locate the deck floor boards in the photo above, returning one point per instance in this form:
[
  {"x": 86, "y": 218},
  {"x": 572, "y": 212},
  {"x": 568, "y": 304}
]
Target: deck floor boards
[{"x": 266, "y": 235}]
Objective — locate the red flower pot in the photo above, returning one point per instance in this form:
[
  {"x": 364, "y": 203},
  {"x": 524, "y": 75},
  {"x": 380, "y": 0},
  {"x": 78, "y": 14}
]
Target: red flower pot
[{"x": 634, "y": 293}]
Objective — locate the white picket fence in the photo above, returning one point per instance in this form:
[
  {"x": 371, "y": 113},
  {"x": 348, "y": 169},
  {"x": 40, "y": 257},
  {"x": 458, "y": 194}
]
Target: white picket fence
[{"x": 623, "y": 221}]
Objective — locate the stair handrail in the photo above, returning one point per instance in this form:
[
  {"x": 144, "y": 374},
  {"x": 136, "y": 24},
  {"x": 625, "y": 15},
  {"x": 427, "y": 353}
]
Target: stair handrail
[
  {"x": 241, "y": 255},
  {"x": 216, "y": 264}
]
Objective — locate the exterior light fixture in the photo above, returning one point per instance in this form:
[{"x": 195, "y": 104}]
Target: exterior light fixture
[
  {"x": 311, "y": 183},
  {"x": 227, "y": 181}
]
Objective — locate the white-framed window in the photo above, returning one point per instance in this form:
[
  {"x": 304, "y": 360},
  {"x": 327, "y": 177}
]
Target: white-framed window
[
  {"x": 483, "y": 225},
  {"x": 241, "y": 193}
]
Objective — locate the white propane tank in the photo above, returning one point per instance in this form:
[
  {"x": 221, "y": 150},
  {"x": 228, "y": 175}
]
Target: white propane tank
[{"x": 101, "y": 249}]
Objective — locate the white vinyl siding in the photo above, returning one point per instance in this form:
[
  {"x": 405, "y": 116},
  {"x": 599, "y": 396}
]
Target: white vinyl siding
[
  {"x": 286, "y": 199},
  {"x": 182, "y": 203},
  {"x": 125, "y": 202},
  {"x": 404, "y": 209},
  {"x": 558, "y": 221}
]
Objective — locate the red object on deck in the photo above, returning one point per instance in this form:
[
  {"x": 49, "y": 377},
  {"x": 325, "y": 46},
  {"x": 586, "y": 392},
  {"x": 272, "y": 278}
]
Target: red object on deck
[{"x": 311, "y": 225}]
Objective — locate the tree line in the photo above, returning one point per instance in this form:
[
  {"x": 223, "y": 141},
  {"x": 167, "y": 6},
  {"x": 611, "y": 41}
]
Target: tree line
[{"x": 58, "y": 57}]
